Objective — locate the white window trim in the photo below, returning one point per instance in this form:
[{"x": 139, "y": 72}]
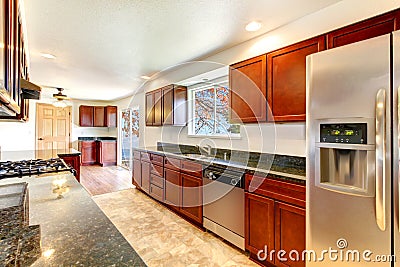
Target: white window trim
[{"x": 191, "y": 107}]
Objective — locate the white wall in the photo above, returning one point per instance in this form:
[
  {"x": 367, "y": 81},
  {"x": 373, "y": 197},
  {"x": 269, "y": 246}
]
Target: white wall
[{"x": 286, "y": 138}]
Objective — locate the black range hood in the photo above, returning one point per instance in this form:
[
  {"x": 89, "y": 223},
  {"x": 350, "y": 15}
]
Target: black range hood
[{"x": 30, "y": 90}]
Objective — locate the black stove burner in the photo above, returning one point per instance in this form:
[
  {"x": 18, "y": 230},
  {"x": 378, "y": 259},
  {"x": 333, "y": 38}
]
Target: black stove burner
[{"x": 9, "y": 169}]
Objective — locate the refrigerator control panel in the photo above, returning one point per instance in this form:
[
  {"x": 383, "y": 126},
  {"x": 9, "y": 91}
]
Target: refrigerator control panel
[{"x": 347, "y": 133}]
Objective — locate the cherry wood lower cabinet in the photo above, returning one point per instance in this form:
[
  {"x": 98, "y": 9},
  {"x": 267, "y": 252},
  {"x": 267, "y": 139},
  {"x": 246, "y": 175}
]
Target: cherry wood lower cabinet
[
  {"x": 88, "y": 151},
  {"x": 107, "y": 153},
  {"x": 173, "y": 188},
  {"x": 137, "y": 172},
  {"x": 274, "y": 220},
  {"x": 146, "y": 176},
  {"x": 192, "y": 197},
  {"x": 74, "y": 162}
]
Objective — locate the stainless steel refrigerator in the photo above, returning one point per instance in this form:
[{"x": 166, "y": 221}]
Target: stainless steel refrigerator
[{"x": 353, "y": 154}]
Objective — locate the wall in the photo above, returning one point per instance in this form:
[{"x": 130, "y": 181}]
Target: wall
[
  {"x": 286, "y": 138},
  {"x": 15, "y": 136}
]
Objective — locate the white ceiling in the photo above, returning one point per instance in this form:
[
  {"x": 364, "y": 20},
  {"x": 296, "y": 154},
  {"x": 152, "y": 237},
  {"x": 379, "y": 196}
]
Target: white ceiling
[{"x": 104, "y": 46}]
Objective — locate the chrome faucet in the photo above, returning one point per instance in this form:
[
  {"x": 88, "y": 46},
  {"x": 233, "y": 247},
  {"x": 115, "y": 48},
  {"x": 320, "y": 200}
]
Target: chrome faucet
[{"x": 207, "y": 148}]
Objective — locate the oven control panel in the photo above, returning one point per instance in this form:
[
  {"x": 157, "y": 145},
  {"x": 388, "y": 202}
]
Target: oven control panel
[{"x": 347, "y": 133}]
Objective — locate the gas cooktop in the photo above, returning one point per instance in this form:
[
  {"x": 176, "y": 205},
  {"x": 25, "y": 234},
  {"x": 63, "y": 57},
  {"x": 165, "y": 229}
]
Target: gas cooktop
[{"x": 9, "y": 169}]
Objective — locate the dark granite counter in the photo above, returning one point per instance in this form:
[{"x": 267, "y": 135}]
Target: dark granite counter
[
  {"x": 73, "y": 231},
  {"x": 277, "y": 166},
  {"x": 105, "y": 138},
  {"x": 37, "y": 154}
]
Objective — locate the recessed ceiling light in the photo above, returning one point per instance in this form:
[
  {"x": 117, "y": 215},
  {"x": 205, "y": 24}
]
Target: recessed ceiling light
[
  {"x": 48, "y": 56},
  {"x": 144, "y": 77},
  {"x": 253, "y": 26}
]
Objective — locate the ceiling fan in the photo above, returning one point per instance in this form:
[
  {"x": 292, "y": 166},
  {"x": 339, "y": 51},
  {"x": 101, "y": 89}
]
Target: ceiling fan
[{"x": 60, "y": 98}]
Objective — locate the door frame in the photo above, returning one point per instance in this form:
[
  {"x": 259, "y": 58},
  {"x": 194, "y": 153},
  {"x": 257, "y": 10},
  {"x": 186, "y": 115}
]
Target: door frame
[{"x": 37, "y": 120}]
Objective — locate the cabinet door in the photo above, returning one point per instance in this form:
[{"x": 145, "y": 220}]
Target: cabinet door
[
  {"x": 149, "y": 109},
  {"x": 290, "y": 231},
  {"x": 137, "y": 172},
  {"x": 74, "y": 162},
  {"x": 259, "y": 224},
  {"x": 172, "y": 188},
  {"x": 110, "y": 119},
  {"x": 180, "y": 105},
  {"x": 247, "y": 81},
  {"x": 88, "y": 152},
  {"x": 86, "y": 116},
  {"x": 287, "y": 79},
  {"x": 363, "y": 30},
  {"x": 146, "y": 176},
  {"x": 98, "y": 117},
  {"x": 157, "y": 108},
  {"x": 192, "y": 197},
  {"x": 168, "y": 105},
  {"x": 107, "y": 153}
]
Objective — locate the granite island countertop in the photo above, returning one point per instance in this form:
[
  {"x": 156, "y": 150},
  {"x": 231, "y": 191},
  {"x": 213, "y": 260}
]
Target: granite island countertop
[
  {"x": 267, "y": 164},
  {"x": 73, "y": 229},
  {"x": 37, "y": 154}
]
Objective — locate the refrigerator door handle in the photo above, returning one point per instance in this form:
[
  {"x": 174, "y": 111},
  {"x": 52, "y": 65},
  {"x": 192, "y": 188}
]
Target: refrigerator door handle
[{"x": 380, "y": 205}]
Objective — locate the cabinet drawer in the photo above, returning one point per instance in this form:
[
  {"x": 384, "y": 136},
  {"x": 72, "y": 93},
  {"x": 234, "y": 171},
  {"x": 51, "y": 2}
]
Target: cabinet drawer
[
  {"x": 157, "y": 192},
  {"x": 280, "y": 190},
  {"x": 157, "y": 159},
  {"x": 136, "y": 154},
  {"x": 157, "y": 170},
  {"x": 192, "y": 168},
  {"x": 157, "y": 180},
  {"x": 172, "y": 163}
]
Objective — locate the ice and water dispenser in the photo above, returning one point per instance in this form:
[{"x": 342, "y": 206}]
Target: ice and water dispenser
[{"x": 345, "y": 157}]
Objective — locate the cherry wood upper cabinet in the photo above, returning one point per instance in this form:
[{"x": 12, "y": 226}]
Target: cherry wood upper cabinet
[
  {"x": 365, "y": 29},
  {"x": 157, "y": 95},
  {"x": 287, "y": 79},
  {"x": 149, "y": 109},
  {"x": 86, "y": 116},
  {"x": 110, "y": 116},
  {"x": 98, "y": 117},
  {"x": 167, "y": 106},
  {"x": 247, "y": 81}
]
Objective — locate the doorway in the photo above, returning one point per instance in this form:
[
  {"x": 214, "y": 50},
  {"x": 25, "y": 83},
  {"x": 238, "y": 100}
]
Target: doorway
[
  {"x": 53, "y": 127},
  {"x": 129, "y": 135}
]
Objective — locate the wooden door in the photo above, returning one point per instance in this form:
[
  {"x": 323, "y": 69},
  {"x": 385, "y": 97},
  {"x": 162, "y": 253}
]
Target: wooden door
[
  {"x": 107, "y": 152},
  {"x": 365, "y": 29},
  {"x": 137, "y": 172},
  {"x": 259, "y": 224},
  {"x": 172, "y": 188},
  {"x": 86, "y": 116},
  {"x": 290, "y": 231},
  {"x": 149, "y": 109},
  {"x": 146, "y": 176},
  {"x": 168, "y": 105},
  {"x": 192, "y": 197},
  {"x": 157, "y": 108},
  {"x": 53, "y": 127},
  {"x": 287, "y": 79},
  {"x": 247, "y": 81},
  {"x": 88, "y": 151},
  {"x": 98, "y": 120}
]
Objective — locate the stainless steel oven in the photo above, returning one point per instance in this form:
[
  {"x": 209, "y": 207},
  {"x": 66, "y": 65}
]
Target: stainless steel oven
[{"x": 223, "y": 203}]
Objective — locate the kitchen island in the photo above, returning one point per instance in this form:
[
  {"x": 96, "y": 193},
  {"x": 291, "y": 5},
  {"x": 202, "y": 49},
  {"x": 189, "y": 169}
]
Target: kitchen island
[{"x": 73, "y": 229}]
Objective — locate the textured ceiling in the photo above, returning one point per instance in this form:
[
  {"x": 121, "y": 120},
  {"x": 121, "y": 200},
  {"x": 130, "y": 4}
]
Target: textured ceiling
[{"x": 104, "y": 46}]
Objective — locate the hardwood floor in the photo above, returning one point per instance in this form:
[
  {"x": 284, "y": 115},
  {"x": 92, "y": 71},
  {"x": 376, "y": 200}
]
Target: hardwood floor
[{"x": 101, "y": 180}]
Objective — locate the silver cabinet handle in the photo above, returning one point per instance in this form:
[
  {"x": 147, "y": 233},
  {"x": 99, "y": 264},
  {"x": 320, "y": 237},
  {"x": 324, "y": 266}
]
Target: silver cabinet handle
[{"x": 380, "y": 205}]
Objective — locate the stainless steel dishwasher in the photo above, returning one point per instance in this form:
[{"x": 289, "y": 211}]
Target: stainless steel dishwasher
[{"x": 223, "y": 203}]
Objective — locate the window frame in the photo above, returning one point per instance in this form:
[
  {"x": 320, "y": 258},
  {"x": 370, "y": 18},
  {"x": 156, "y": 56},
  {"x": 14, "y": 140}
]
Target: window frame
[{"x": 191, "y": 113}]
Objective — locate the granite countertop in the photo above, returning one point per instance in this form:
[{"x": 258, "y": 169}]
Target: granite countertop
[
  {"x": 104, "y": 138},
  {"x": 37, "y": 154},
  {"x": 262, "y": 166},
  {"x": 73, "y": 231}
]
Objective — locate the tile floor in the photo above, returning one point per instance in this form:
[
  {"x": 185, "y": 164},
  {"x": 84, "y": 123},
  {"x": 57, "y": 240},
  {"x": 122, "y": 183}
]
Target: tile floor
[{"x": 161, "y": 237}]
